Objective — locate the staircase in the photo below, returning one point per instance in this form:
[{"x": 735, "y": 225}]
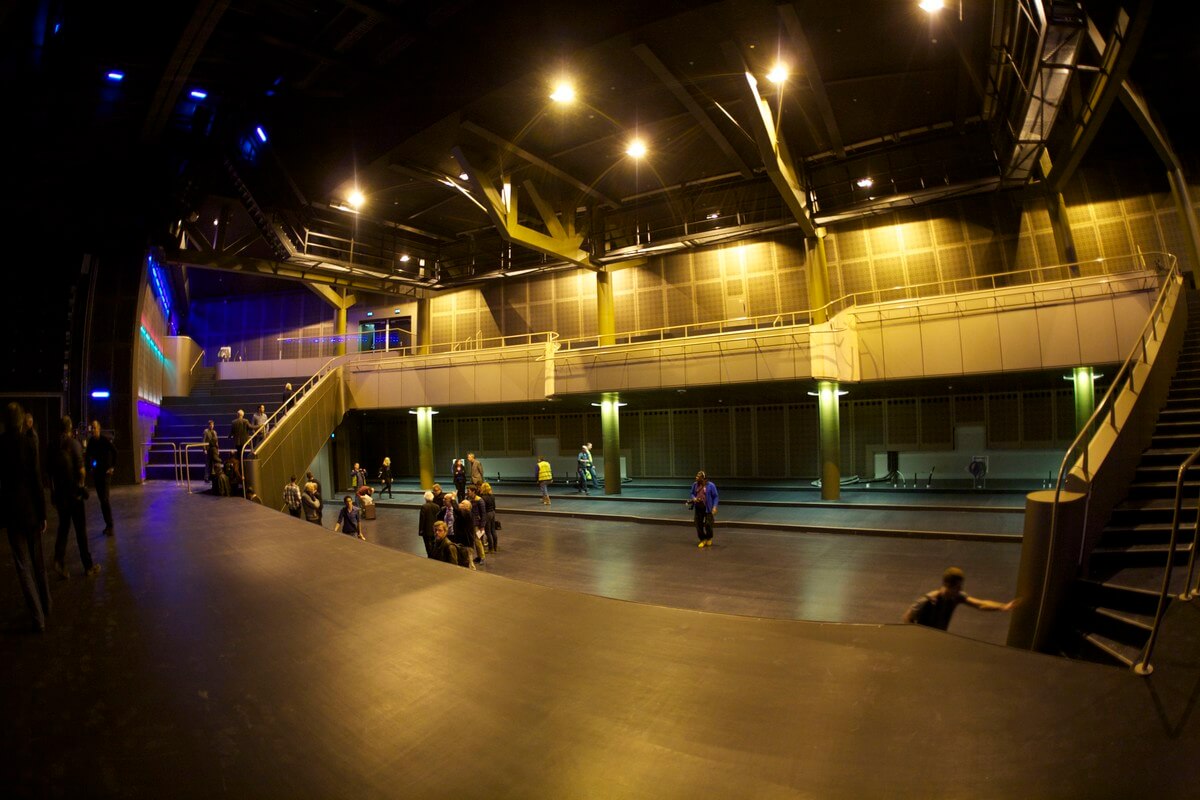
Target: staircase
[
  {"x": 182, "y": 420},
  {"x": 1113, "y": 604}
]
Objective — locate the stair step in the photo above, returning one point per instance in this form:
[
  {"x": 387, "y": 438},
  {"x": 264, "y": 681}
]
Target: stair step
[
  {"x": 1142, "y": 622},
  {"x": 1139, "y": 583},
  {"x": 1120, "y": 653}
]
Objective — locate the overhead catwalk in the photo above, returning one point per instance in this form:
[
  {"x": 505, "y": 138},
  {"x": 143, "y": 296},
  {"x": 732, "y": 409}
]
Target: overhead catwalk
[{"x": 227, "y": 649}]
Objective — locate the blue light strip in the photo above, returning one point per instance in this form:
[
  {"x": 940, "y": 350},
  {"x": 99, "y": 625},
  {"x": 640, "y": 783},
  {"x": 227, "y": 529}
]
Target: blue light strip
[
  {"x": 159, "y": 283},
  {"x": 116, "y": 77},
  {"x": 197, "y": 94},
  {"x": 101, "y": 394},
  {"x": 261, "y": 133},
  {"x": 153, "y": 344}
]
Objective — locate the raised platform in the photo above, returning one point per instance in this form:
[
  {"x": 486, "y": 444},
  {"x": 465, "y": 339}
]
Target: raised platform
[{"x": 228, "y": 649}]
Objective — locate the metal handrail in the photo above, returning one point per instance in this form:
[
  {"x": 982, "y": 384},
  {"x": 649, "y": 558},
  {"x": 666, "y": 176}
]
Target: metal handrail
[
  {"x": 175, "y": 463},
  {"x": 1143, "y": 666},
  {"x": 1106, "y": 407},
  {"x": 187, "y": 473},
  {"x": 192, "y": 368}
]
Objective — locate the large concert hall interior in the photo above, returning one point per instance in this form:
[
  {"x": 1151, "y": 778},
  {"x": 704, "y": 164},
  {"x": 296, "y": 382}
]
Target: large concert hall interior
[{"x": 810, "y": 387}]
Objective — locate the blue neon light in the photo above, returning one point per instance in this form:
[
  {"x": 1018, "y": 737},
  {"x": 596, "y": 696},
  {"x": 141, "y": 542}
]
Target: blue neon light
[
  {"x": 261, "y": 133},
  {"x": 196, "y": 94},
  {"x": 116, "y": 77},
  {"x": 158, "y": 281},
  {"x": 100, "y": 394},
  {"x": 57, "y": 27},
  {"x": 370, "y": 313}
]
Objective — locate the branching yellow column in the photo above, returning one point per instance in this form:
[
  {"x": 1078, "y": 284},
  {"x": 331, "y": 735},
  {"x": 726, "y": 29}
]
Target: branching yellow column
[
  {"x": 831, "y": 444},
  {"x": 424, "y": 326},
  {"x": 606, "y": 317},
  {"x": 610, "y": 430},
  {"x": 425, "y": 445},
  {"x": 818, "y": 281}
]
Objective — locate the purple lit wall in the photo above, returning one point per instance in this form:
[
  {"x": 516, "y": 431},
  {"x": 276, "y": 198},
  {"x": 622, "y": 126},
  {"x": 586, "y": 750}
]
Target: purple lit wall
[{"x": 253, "y": 326}]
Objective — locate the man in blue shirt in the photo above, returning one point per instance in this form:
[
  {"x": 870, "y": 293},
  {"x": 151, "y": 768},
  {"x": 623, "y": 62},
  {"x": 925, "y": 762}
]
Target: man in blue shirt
[
  {"x": 347, "y": 521},
  {"x": 704, "y": 505}
]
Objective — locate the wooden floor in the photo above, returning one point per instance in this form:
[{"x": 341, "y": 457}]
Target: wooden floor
[{"x": 231, "y": 650}]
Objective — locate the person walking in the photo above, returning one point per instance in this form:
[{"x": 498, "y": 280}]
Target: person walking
[
  {"x": 285, "y": 398},
  {"x": 460, "y": 478},
  {"x": 704, "y": 506},
  {"x": 348, "y": 521},
  {"x": 544, "y": 478},
  {"x": 311, "y": 501},
  {"x": 934, "y": 609},
  {"x": 591, "y": 465},
  {"x": 475, "y": 470},
  {"x": 385, "y": 477},
  {"x": 489, "y": 527},
  {"x": 69, "y": 491},
  {"x": 212, "y": 451},
  {"x": 101, "y": 456},
  {"x": 259, "y": 422},
  {"x": 291, "y": 498},
  {"x": 583, "y": 463},
  {"x": 478, "y": 521},
  {"x": 428, "y": 516},
  {"x": 23, "y": 513}
]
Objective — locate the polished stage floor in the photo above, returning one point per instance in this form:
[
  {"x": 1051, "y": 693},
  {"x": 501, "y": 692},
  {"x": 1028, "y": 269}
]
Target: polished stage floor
[{"x": 229, "y": 649}]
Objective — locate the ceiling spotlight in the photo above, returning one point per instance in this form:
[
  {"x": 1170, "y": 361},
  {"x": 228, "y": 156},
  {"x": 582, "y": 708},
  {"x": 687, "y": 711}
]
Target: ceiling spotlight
[
  {"x": 931, "y": 6},
  {"x": 462, "y": 176},
  {"x": 198, "y": 94},
  {"x": 404, "y": 258},
  {"x": 563, "y": 92},
  {"x": 356, "y": 199},
  {"x": 713, "y": 215},
  {"x": 778, "y": 74},
  {"x": 864, "y": 183},
  {"x": 636, "y": 149}
]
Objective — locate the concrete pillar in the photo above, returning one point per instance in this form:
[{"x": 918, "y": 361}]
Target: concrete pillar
[
  {"x": 610, "y": 431},
  {"x": 1084, "y": 380},
  {"x": 425, "y": 445},
  {"x": 831, "y": 442},
  {"x": 424, "y": 326},
  {"x": 606, "y": 317},
  {"x": 1187, "y": 220},
  {"x": 818, "y": 281},
  {"x": 1060, "y": 226},
  {"x": 340, "y": 330}
]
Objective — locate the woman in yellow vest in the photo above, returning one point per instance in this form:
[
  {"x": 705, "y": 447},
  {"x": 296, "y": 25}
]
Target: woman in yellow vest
[{"x": 544, "y": 476}]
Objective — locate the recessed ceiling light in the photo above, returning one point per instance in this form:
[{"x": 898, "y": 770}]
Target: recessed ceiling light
[
  {"x": 931, "y": 6},
  {"x": 713, "y": 215},
  {"x": 563, "y": 92},
  {"x": 636, "y": 149},
  {"x": 356, "y": 198},
  {"x": 865, "y": 183},
  {"x": 462, "y": 176},
  {"x": 778, "y": 73},
  {"x": 404, "y": 258}
]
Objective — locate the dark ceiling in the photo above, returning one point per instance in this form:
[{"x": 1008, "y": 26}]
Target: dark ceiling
[{"x": 378, "y": 94}]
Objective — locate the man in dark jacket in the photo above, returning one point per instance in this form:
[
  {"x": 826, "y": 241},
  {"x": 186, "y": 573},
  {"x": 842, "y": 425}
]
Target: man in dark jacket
[
  {"x": 240, "y": 432},
  {"x": 430, "y": 512},
  {"x": 23, "y": 506},
  {"x": 67, "y": 478},
  {"x": 101, "y": 457}
]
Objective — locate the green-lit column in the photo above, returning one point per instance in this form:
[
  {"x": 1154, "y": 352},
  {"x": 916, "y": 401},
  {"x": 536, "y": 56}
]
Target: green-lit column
[
  {"x": 424, "y": 326},
  {"x": 606, "y": 317},
  {"x": 1187, "y": 219},
  {"x": 1060, "y": 226},
  {"x": 610, "y": 431},
  {"x": 425, "y": 445},
  {"x": 1085, "y": 396},
  {"x": 818, "y": 281},
  {"x": 831, "y": 440},
  {"x": 341, "y": 326}
]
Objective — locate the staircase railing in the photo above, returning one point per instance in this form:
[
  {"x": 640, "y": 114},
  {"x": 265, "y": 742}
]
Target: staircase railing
[
  {"x": 1143, "y": 665},
  {"x": 1078, "y": 453}
]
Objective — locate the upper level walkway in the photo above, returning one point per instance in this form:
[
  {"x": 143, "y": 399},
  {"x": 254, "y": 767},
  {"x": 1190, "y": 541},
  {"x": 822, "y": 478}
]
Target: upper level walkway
[{"x": 228, "y": 649}]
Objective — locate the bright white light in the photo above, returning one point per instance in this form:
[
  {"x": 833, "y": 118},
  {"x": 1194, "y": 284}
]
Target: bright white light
[
  {"x": 931, "y": 6},
  {"x": 636, "y": 149},
  {"x": 713, "y": 215},
  {"x": 462, "y": 176},
  {"x": 563, "y": 92},
  {"x": 778, "y": 74},
  {"x": 262, "y": 135},
  {"x": 198, "y": 94},
  {"x": 404, "y": 258},
  {"x": 356, "y": 199},
  {"x": 865, "y": 183}
]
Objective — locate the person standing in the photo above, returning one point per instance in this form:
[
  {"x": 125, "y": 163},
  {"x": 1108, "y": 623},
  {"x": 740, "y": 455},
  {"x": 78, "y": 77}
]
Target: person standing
[
  {"x": 23, "y": 510},
  {"x": 259, "y": 422},
  {"x": 460, "y": 478},
  {"x": 69, "y": 492},
  {"x": 934, "y": 609},
  {"x": 309, "y": 478},
  {"x": 239, "y": 431},
  {"x": 385, "y": 477},
  {"x": 311, "y": 500},
  {"x": 428, "y": 516},
  {"x": 439, "y": 497},
  {"x": 478, "y": 521},
  {"x": 348, "y": 520},
  {"x": 285, "y": 398},
  {"x": 476, "y": 470},
  {"x": 464, "y": 527},
  {"x": 591, "y": 465},
  {"x": 441, "y": 549},
  {"x": 544, "y": 477},
  {"x": 583, "y": 463},
  {"x": 291, "y": 498},
  {"x": 704, "y": 505},
  {"x": 101, "y": 456},
  {"x": 358, "y": 477},
  {"x": 489, "y": 506},
  {"x": 212, "y": 451}
]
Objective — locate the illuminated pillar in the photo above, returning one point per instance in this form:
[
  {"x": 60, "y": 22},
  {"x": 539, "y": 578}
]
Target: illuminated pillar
[
  {"x": 1085, "y": 396},
  {"x": 610, "y": 431},
  {"x": 341, "y": 326},
  {"x": 818, "y": 281},
  {"x": 1060, "y": 226},
  {"x": 425, "y": 445},
  {"x": 606, "y": 317},
  {"x": 1187, "y": 219},
  {"x": 424, "y": 326},
  {"x": 831, "y": 443}
]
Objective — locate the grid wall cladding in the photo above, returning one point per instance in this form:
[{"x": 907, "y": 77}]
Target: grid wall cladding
[{"x": 685, "y": 450}]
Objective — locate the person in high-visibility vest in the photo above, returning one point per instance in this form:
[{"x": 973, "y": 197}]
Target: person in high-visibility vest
[{"x": 544, "y": 476}]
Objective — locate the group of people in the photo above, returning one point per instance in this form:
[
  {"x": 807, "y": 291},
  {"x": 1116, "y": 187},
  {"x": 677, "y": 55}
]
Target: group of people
[
  {"x": 460, "y": 529},
  {"x": 23, "y": 500},
  {"x": 225, "y": 475}
]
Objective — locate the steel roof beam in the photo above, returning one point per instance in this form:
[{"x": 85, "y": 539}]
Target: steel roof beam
[
  {"x": 312, "y": 273},
  {"x": 808, "y": 64}
]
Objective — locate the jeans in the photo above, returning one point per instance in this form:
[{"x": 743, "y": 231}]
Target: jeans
[
  {"x": 72, "y": 511},
  {"x": 704, "y": 523},
  {"x": 100, "y": 478}
]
